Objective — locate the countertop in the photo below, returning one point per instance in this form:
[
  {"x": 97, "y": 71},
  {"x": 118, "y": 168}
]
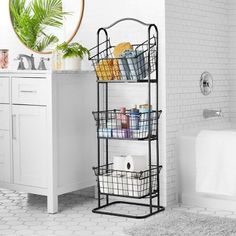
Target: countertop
[{"x": 9, "y": 71}]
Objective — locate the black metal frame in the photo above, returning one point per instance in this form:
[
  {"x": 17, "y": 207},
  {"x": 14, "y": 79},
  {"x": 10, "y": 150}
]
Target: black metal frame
[{"x": 153, "y": 208}]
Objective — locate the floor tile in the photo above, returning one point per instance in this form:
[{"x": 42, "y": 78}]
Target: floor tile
[{"x": 26, "y": 214}]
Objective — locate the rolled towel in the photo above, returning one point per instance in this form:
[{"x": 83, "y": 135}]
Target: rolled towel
[
  {"x": 132, "y": 65},
  {"x": 104, "y": 69},
  {"x": 116, "y": 70},
  {"x": 120, "y": 48},
  {"x": 135, "y": 70},
  {"x": 124, "y": 67}
]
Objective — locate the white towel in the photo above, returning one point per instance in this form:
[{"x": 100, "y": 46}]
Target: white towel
[{"x": 216, "y": 162}]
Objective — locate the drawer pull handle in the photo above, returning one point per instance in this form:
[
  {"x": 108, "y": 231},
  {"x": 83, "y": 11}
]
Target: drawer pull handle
[{"x": 28, "y": 91}]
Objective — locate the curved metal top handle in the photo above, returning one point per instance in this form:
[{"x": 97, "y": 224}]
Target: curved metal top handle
[{"x": 126, "y": 19}]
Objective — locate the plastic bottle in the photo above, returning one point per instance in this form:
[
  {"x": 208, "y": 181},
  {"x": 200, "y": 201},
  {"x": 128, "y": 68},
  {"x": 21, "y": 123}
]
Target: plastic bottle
[
  {"x": 134, "y": 118},
  {"x": 57, "y": 60},
  {"x": 124, "y": 118},
  {"x": 144, "y": 118}
]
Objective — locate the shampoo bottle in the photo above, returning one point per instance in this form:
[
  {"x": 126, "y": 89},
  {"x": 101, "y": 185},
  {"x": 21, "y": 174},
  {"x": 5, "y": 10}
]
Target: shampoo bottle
[
  {"x": 124, "y": 118},
  {"x": 134, "y": 118}
]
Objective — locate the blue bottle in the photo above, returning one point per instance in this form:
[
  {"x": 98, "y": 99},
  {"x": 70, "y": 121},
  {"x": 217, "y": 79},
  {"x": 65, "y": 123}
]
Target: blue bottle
[{"x": 134, "y": 118}]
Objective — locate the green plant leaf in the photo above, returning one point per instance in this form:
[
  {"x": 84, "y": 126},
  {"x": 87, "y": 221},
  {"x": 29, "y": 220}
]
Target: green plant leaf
[
  {"x": 31, "y": 20},
  {"x": 73, "y": 50},
  {"x": 47, "y": 40},
  {"x": 48, "y": 12}
]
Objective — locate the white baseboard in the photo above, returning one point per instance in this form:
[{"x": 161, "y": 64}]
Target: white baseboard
[
  {"x": 75, "y": 186},
  {"x": 209, "y": 202},
  {"x": 24, "y": 188}
]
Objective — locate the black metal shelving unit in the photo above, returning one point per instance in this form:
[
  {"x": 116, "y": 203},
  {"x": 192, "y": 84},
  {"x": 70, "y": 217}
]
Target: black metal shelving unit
[{"x": 144, "y": 184}]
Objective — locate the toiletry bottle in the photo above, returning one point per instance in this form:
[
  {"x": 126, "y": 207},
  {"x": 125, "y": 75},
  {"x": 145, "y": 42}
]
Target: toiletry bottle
[
  {"x": 144, "y": 108},
  {"x": 134, "y": 118},
  {"x": 124, "y": 118},
  {"x": 57, "y": 60},
  {"x": 144, "y": 117},
  {"x": 4, "y": 58}
]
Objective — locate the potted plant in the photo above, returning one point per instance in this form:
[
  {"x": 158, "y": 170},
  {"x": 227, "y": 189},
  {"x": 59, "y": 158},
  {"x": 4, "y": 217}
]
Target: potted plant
[{"x": 73, "y": 53}]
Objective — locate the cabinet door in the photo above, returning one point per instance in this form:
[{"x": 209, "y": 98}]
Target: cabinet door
[
  {"x": 30, "y": 145},
  {"x": 4, "y": 117},
  {"x": 4, "y": 156},
  {"x": 4, "y": 90}
]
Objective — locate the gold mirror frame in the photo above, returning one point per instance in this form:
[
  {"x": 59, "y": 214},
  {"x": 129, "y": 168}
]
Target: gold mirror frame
[{"x": 68, "y": 41}]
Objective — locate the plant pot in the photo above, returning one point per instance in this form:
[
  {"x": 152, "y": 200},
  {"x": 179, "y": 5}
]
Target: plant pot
[{"x": 73, "y": 63}]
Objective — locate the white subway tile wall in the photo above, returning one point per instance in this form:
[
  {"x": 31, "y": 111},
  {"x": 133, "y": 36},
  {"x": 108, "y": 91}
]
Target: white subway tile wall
[
  {"x": 197, "y": 34},
  {"x": 232, "y": 61}
]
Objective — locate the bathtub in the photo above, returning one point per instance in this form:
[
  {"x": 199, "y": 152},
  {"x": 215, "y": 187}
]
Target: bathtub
[{"x": 187, "y": 177}]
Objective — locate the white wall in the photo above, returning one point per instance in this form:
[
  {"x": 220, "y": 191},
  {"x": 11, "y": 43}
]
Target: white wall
[
  {"x": 196, "y": 41},
  {"x": 102, "y": 13}
]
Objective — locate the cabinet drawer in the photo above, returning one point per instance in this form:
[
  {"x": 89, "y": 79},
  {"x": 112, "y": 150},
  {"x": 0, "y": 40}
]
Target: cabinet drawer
[
  {"x": 4, "y": 90},
  {"x": 31, "y": 91},
  {"x": 4, "y": 117}
]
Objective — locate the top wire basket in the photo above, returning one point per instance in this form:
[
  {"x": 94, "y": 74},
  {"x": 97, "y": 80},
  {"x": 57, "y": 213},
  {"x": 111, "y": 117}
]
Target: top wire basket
[{"x": 131, "y": 65}]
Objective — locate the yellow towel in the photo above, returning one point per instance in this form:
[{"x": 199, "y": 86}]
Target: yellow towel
[
  {"x": 108, "y": 69},
  {"x": 104, "y": 69},
  {"x": 116, "y": 70},
  {"x": 120, "y": 48}
]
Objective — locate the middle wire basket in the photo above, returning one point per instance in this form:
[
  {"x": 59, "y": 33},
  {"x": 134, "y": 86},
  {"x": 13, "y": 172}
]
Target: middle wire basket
[{"x": 116, "y": 125}]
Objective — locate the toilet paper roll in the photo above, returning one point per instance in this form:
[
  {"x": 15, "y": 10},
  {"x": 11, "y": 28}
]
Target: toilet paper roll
[
  {"x": 118, "y": 162},
  {"x": 135, "y": 163}
]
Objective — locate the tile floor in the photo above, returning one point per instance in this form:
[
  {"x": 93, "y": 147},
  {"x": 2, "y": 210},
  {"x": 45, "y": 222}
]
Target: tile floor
[{"x": 23, "y": 214}]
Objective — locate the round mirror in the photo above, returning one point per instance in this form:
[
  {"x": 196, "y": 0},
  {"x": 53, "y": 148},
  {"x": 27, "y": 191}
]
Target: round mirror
[{"x": 41, "y": 25}]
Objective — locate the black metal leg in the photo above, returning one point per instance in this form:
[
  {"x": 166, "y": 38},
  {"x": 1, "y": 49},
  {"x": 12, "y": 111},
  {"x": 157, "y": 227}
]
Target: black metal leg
[
  {"x": 107, "y": 157},
  {"x": 98, "y": 147},
  {"x": 101, "y": 210}
]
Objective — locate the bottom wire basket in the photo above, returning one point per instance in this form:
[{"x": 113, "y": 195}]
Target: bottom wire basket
[{"x": 126, "y": 183}]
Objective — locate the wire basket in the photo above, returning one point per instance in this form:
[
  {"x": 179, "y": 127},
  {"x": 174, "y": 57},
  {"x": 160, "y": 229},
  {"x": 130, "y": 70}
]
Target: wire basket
[
  {"x": 116, "y": 125},
  {"x": 126, "y": 183},
  {"x": 130, "y": 65}
]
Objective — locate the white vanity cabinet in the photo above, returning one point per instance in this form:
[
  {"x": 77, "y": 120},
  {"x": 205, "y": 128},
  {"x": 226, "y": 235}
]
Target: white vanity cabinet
[{"x": 46, "y": 132}]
